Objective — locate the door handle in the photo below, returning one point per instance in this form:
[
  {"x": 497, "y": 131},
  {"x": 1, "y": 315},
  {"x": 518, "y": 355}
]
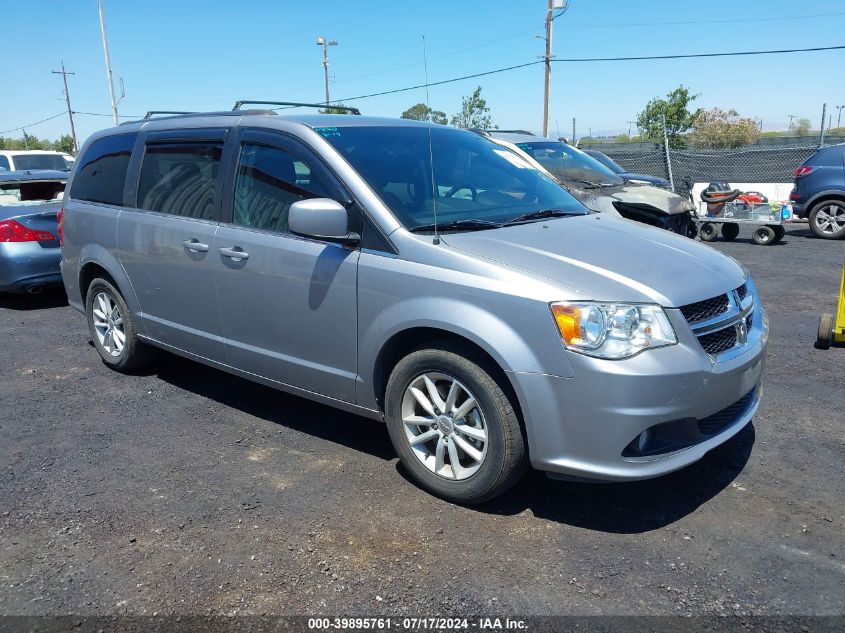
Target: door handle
[
  {"x": 195, "y": 246},
  {"x": 234, "y": 253}
]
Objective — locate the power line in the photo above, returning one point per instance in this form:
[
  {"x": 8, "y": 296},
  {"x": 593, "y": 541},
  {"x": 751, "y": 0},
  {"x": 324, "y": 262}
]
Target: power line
[
  {"x": 15, "y": 129},
  {"x": 722, "y": 21},
  {"x": 587, "y": 59},
  {"x": 693, "y": 55}
]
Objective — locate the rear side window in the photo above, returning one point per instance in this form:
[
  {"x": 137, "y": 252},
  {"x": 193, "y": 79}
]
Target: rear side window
[
  {"x": 180, "y": 179},
  {"x": 269, "y": 180},
  {"x": 4, "y": 163},
  {"x": 101, "y": 176}
]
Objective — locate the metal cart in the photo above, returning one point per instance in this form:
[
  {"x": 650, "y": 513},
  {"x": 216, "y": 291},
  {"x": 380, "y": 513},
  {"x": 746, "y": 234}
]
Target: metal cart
[
  {"x": 767, "y": 218},
  {"x": 832, "y": 328}
]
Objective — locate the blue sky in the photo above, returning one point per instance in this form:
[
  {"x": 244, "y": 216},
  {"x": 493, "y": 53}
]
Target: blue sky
[{"x": 191, "y": 54}]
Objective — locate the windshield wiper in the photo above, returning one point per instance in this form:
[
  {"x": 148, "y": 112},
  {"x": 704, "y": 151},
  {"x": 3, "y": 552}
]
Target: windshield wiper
[
  {"x": 457, "y": 225},
  {"x": 540, "y": 215}
]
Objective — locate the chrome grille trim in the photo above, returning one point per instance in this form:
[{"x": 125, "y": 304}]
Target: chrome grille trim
[{"x": 729, "y": 329}]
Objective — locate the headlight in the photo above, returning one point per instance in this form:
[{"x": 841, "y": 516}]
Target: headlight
[{"x": 612, "y": 330}]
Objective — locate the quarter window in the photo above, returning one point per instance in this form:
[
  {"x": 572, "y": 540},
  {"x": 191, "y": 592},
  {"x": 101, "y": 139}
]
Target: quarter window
[
  {"x": 180, "y": 179},
  {"x": 101, "y": 176},
  {"x": 269, "y": 180}
]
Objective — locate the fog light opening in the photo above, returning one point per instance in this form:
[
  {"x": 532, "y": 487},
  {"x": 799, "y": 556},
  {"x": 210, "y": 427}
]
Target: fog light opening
[{"x": 642, "y": 441}]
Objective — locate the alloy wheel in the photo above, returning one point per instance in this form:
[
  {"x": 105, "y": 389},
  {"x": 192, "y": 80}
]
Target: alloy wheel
[
  {"x": 830, "y": 219},
  {"x": 444, "y": 426},
  {"x": 108, "y": 324}
]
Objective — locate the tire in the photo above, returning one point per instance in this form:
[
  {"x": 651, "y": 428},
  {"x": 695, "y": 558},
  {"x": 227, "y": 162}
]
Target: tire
[
  {"x": 780, "y": 232},
  {"x": 827, "y": 219},
  {"x": 730, "y": 230},
  {"x": 763, "y": 235},
  {"x": 708, "y": 232},
  {"x": 502, "y": 452},
  {"x": 824, "y": 338},
  {"x": 692, "y": 230},
  {"x": 109, "y": 320}
]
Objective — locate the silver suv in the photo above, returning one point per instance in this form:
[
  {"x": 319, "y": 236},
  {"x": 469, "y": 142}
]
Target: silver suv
[{"x": 417, "y": 274}]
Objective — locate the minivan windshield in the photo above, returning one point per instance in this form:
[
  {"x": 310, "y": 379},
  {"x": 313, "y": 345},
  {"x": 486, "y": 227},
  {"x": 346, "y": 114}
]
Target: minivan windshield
[
  {"x": 569, "y": 163},
  {"x": 477, "y": 185},
  {"x": 607, "y": 161}
]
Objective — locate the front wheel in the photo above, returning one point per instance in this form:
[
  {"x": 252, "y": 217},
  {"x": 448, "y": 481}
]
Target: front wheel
[
  {"x": 730, "y": 230},
  {"x": 113, "y": 328},
  {"x": 763, "y": 235},
  {"x": 824, "y": 337},
  {"x": 453, "y": 425}
]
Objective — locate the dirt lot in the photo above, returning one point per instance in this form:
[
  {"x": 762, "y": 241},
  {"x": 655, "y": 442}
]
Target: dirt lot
[{"x": 185, "y": 490}]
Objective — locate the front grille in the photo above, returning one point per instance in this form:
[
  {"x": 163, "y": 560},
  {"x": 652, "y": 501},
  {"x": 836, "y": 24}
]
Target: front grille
[
  {"x": 718, "y": 422},
  {"x": 749, "y": 320},
  {"x": 742, "y": 291},
  {"x": 719, "y": 341},
  {"x": 704, "y": 310}
]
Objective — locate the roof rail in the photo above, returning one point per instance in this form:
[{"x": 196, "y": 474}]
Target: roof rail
[
  {"x": 152, "y": 113},
  {"x": 512, "y": 132},
  {"x": 292, "y": 104}
]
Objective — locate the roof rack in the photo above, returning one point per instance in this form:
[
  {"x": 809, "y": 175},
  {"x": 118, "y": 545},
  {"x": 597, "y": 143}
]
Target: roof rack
[
  {"x": 152, "y": 113},
  {"x": 293, "y": 104}
]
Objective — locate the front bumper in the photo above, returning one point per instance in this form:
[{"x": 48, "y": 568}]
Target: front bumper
[
  {"x": 27, "y": 264},
  {"x": 580, "y": 426}
]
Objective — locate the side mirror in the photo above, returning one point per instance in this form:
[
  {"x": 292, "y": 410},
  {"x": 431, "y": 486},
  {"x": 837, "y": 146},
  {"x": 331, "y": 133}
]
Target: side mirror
[{"x": 323, "y": 219}]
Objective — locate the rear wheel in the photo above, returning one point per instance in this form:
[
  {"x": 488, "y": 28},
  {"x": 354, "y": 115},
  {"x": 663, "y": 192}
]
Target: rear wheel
[
  {"x": 827, "y": 219},
  {"x": 708, "y": 232},
  {"x": 453, "y": 425},
  {"x": 763, "y": 235},
  {"x": 824, "y": 337},
  {"x": 113, "y": 328},
  {"x": 780, "y": 232},
  {"x": 730, "y": 230}
]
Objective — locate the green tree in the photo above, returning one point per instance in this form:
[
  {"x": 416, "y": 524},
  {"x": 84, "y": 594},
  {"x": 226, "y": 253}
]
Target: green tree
[
  {"x": 802, "y": 128},
  {"x": 335, "y": 109},
  {"x": 474, "y": 113},
  {"x": 64, "y": 144},
  {"x": 679, "y": 118},
  {"x": 421, "y": 112},
  {"x": 715, "y": 128}
]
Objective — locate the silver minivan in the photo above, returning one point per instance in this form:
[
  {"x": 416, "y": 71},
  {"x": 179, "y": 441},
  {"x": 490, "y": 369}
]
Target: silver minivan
[{"x": 416, "y": 274}]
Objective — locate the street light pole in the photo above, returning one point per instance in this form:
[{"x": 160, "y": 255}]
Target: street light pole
[
  {"x": 322, "y": 41},
  {"x": 108, "y": 61},
  {"x": 550, "y": 17},
  {"x": 839, "y": 116},
  {"x": 64, "y": 75}
]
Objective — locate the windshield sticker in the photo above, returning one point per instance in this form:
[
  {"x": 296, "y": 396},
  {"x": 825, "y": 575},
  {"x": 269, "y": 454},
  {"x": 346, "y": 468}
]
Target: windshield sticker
[{"x": 327, "y": 132}]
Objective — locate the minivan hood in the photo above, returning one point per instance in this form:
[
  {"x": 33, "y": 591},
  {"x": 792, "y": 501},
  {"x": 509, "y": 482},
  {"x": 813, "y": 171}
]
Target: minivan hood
[{"x": 608, "y": 259}]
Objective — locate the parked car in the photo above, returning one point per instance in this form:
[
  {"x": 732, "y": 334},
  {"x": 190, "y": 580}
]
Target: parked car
[
  {"x": 19, "y": 160},
  {"x": 623, "y": 173},
  {"x": 819, "y": 192},
  {"x": 29, "y": 242},
  {"x": 417, "y": 274},
  {"x": 600, "y": 189}
]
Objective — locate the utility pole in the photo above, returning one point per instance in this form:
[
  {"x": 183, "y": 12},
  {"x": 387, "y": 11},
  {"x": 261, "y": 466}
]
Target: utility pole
[
  {"x": 821, "y": 131},
  {"x": 573, "y": 131},
  {"x": 64, "y": 75},
  {"x": 630, "y": 123},
  {"x": 108, "y": 61},
  {"x": 791, "y": 116},
  {"x": 839, "y": 116},
  {"x": 322, "y": 41},
  {"x": 550, "y": 17}
]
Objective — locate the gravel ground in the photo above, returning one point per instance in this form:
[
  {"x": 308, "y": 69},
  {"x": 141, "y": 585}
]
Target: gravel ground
[{"x": 185, "y": 490}]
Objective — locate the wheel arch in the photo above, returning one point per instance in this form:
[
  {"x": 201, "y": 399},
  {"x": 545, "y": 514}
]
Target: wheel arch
[
  {"x": 97, "y": 261},
  {"x": 403, "y": 342}
]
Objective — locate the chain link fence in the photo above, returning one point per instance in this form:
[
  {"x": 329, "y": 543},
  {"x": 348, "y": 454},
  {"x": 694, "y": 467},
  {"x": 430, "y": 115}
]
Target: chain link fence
[{"x": 771, "y": 162}]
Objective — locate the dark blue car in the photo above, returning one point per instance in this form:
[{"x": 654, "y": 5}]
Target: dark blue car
[
  {"x": 819, "y": 192},
  {"x": 623, "y": 173}
]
